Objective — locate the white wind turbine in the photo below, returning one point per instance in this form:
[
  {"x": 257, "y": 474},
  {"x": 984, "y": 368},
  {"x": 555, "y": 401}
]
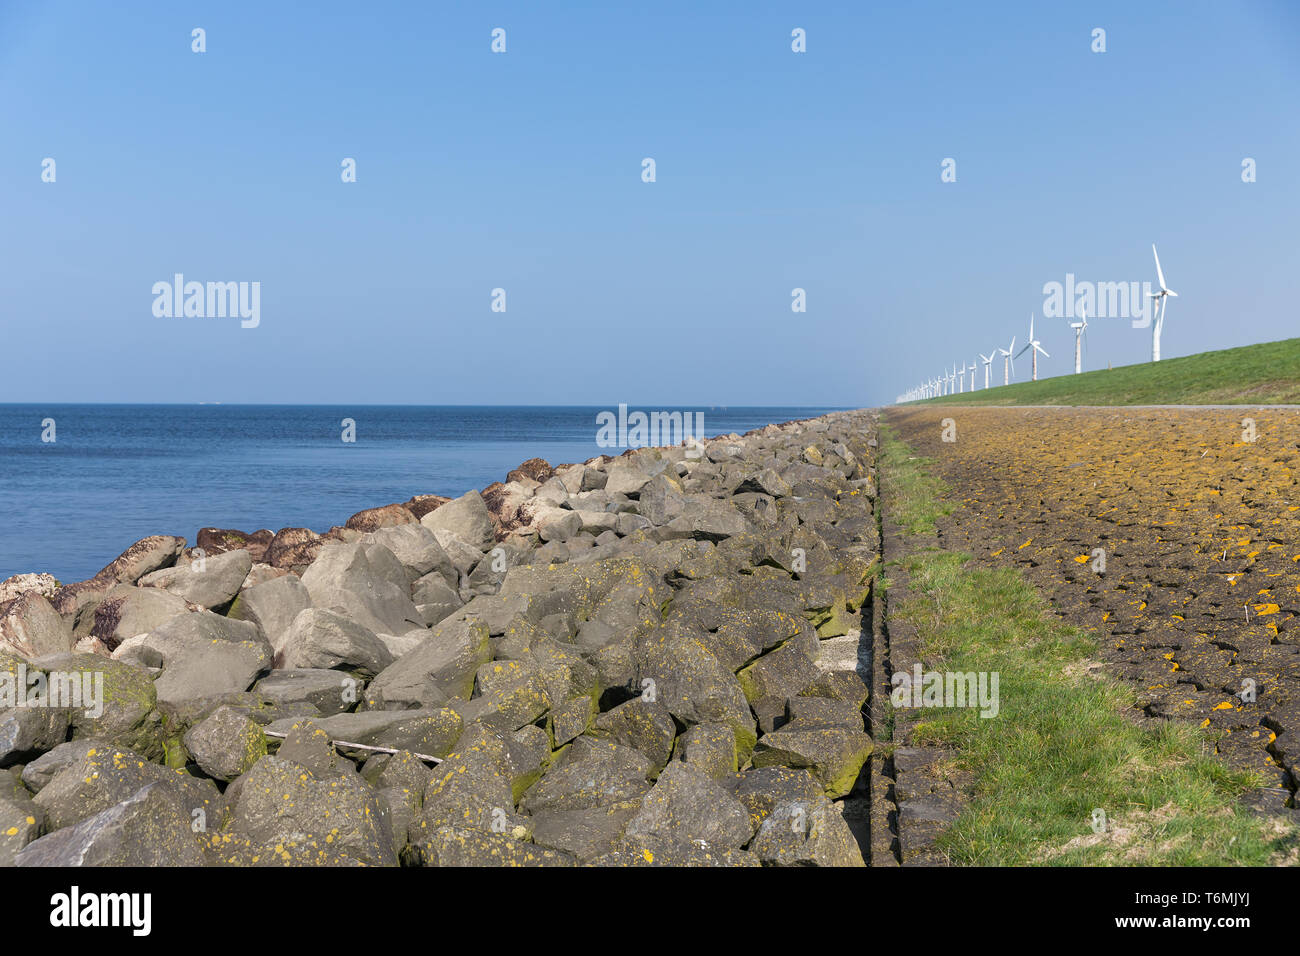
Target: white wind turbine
[
  {"x": 1161, "y": 298},
  {"x": 971, "y": 368},
  {"x": 1006, "y": 361},
  {"x": 1033, "y": 348},
  {"x": 988, "y": 364},
  {"x": 1079, "y": 329},
  {"x": 960, "y": 369}
]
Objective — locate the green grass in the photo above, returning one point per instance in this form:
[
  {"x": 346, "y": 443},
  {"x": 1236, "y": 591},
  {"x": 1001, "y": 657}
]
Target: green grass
[
  {"x": 1061, "y": 746},
  {"x": 1267, "y": 374}
]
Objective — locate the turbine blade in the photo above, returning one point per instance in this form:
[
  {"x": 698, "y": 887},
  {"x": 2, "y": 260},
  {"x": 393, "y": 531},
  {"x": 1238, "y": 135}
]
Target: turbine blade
[{"x": 1159, "y": 273}]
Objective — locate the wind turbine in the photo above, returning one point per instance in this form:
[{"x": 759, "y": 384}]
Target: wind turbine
[
  {"x": 1161, "y": 298},
  {"x": 960, "y": 369},
  {"x": 988, "y": 364},
  {"x": 1006, "y": 361},
  {"x": 1079, "y": 329},
  {"x": 971, "y": 368},
  {"x": 1033, "y": 347}
]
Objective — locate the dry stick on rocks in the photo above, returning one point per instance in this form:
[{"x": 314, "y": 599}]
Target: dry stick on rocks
[{"x": 347, "y": 743}]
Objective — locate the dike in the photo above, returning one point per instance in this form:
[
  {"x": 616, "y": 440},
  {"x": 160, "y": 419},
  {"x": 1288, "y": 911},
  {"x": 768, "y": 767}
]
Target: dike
[{"x": 662, "y": 658}]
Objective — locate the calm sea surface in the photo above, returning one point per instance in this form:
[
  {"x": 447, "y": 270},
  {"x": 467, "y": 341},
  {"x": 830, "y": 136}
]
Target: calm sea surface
[{"x": 116, "y": 473}]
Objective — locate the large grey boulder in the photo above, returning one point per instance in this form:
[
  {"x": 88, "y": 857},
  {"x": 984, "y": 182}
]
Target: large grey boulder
[
  {"x": 806, "y": 833},
  {"x": 441, "y": 667},
  {"x": 416, "y": 548},
  {"x": 211, "y": 582},
  {"x": 467, "y": 517},
  {"x": 592, "y": 773},
  {"x": 124, "y": 711},
  {"x": 435, "y": 598},
  {"x": 201, "y": 655},
  {"x": 280, "y": 801},
  {"x": 126, "y": 611},
  {"x": 148, "y": 828},
  {"x": 30, "y": 627},
  {"x": 272, "y": 606},
  {"x": 357, "y": 580},
  {"x": 430, "y": 731},
  {"x": 146, "y": 555},
  {"x": 225, "y": 744},
  {"x": 466, "y": 846},
  {"x": 323, "y": 639},
  {"x": 21, "y": 822},
  {"x": 26, "y": 732},
  {"x": 329, "y": 691},
  {"x": 103, "y": 777},
  {"x": 686, "y": 805}
]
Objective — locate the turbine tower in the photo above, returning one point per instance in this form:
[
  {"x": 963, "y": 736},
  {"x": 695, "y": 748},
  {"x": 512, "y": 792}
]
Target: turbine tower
[
  {"x": 1006, "y": 361},
  {"x": 1079, "y": 329},
  {"x": 988, "y": 364},
  {"x": 1033, "y": 347},
  {"x": 1161, "y": 298},
  {"x": 971, "y": 368}
]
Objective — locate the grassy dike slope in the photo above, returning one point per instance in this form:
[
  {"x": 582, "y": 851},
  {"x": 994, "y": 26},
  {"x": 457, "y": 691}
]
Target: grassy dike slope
[
  {"x": 1061, "y": 746},
  {"x": 1267, "y": 374}
]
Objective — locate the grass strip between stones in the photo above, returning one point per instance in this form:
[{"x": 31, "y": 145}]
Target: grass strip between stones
[{"x": 1060, "y": 747}]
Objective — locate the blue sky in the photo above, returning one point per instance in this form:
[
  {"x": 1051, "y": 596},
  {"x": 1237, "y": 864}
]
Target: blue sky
[{"x": 522, "y": 171}]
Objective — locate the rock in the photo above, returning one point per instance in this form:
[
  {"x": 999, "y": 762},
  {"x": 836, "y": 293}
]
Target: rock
[
  {"x": 570, "y": 719},
  {"x": 272, "y": 606},
  {"x": 767, "y": 482},
  {"x": 326, "y": 640},
  {"x": 210, "y": 583},
  {"x": 710, "y": 749},
  {"x": 761, "y": 790},
  {"x": 834, "y": 755},
  {"x": 21, "y": 822},
  {"x": 104, "y": 777},
  {"x": 281, "y": 801},
  {"x": 503, "y": 502},
  {"x": 708, "y": 519},
  {"x": 149, "y": 828},
  {"x": 293, "y": 549},
  {"x": 145, "y": 556},
  {"x": 440, "y": 668},
  {"x": 584, "y": 834},
  {"x": 417, "y": 550},
  {"x": 19, "y": 584},
  {"x": 225, "y": 744},
  {"x": 220, "y": 540},
  {"x": 558, "y": 524},
  {"x": 800, "y": 833},
  {"x": 535, "y": 469},
  {"x": 127, "y": 610},
  {"x": 429, "y": 731},
  {"x": 783, "y": 672},
  {"x": 687, "y": 806},
  {"x": 464, "y": 846},
  {"x": 357, "y": 582},
  {"x": 695, "y": 688},
  {"x": 421, "y": 505},
  {"x": 434, "y": 598},
  {"x": 201, "y": 654},
  {"x": 41, "y": 771},
  {"x": 387, "y": 516},
  {"x": 467, "y": 517},
  {"x": 592, "y": 773},
  {"x": 644, "y": 726},
  {"x": 127, "y": 703},
  {"x": 30, "y": 627},
  {"x": 656, "y": 851},
  {"x": 329, "y": 691},
  {"x": 27, "y": 732}
]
